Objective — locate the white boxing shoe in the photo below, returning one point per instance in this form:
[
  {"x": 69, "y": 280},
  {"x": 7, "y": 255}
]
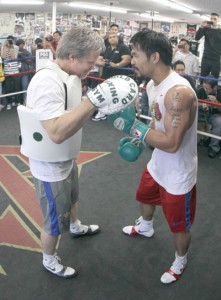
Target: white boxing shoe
[
  {"x": 175, "y": 271},
  {"x": 146, "y": 231},
  {"x": 55, "y": 267},
  {"x": 77, "y": 229}
]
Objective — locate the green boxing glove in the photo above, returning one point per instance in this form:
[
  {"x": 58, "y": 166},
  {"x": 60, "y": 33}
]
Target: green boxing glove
[
  {"x": 130, "y": 148},
  {"x": 126, "y": 121}
]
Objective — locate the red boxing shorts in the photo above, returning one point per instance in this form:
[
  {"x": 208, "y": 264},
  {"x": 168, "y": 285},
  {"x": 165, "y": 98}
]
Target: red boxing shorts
[{"x": 179, "y": 210}]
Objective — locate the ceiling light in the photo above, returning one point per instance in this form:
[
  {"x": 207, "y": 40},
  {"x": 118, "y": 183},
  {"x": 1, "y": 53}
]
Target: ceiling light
[
  {"x": 27, "y": 2},
  {"x": 152, "y": 13},
  {"x": 205, "y": 17},
  {"x": 96, "y": 7},
  {"x": 177, "y": 6},
  {"x": 157, "y": 18}
]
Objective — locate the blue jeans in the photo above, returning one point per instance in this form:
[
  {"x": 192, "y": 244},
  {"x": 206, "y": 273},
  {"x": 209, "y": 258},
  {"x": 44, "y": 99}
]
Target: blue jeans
[
  {"x": 25, "y": 79},
  {"x": 215, "y": 120}
]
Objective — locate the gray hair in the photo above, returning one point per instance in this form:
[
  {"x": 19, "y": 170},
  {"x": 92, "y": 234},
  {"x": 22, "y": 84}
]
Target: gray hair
[{"x": 79, "y": 41}]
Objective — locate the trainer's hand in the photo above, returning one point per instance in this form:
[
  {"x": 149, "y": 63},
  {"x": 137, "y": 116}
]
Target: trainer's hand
[
  {"x": 114, "y": 94},
  {"x": 126, "y": 121},
  {"x": 130, "y": 148}
]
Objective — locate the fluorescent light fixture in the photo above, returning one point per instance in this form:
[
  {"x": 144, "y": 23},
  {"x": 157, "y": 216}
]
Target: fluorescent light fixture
[
  {"x": 96, "y": 7},
  {"x": 157, "y": 18},
  {"x": 205, "y": 17},
  {"x": 27, "y": 2},
  {"x": 152, "y": 13},
  {"x": 177, "y": 6}
]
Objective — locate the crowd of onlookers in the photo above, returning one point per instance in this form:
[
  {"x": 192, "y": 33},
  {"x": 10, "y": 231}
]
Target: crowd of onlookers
[{"x": 18, "y": 66}]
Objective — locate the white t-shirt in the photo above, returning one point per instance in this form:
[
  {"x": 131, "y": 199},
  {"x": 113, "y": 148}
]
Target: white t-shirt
[
  {"x": 46, "y": 93},
  {"x": 190, "y": 60},
  {"x": 176, "y": 172}
]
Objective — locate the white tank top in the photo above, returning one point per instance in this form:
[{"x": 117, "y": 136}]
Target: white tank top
[{"x": 176, "y": 172}]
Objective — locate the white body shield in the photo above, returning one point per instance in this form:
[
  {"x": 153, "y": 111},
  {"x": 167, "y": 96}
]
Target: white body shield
[{"x": 36, "y": 144}]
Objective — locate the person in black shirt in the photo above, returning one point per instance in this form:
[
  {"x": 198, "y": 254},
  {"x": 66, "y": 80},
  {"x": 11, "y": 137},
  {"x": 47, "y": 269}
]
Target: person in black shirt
[
  {"x": 115, "y": 57},
  {"x": 212, "y": 46},
  {"x": 211, "y": 91}
]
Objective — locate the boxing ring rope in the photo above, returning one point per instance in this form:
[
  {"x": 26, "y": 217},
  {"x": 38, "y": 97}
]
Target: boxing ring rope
[{"x": 143, "y": 88}]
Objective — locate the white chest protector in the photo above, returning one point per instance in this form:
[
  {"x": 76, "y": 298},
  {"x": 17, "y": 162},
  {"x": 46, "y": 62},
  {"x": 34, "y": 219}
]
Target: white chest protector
[{"x": 35, "y": 142}]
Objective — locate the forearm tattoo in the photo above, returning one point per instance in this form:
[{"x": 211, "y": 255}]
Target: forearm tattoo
[{"x": 176, "y": 109}]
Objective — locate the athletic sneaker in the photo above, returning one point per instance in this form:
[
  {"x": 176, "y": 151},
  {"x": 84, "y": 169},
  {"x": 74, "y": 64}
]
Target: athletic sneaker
[
  {"x": 77, "y": 229},
  {"x": 55, "y": 267},
  {"x": 99, "y": 117},
  {"x": 175, "y": 271},
  {"x": 140, "y": 228}
]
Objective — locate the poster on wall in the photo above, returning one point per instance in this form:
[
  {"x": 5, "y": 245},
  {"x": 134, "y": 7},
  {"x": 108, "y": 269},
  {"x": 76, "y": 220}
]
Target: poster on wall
[
  {"x": 165, "y": 27},
  {"x": 191, "y": 31},
  {"x": 19, "y": 30},
  {"x": 6, "y": 25},
  {"x": 191, "y": 28}
]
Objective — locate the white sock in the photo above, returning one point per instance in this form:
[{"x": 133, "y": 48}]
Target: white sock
[
  {"x": 48, "y": 258},
  {"x": 146, "y": 225},
  {"x": 179, "y": 263},
  {"x": 182, "y": 259},
  {"x": 75, "y": 226}
]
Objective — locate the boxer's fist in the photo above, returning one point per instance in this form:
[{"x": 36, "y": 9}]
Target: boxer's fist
[
  {"x": 130, "y": 148},
  {"x": 114, "y": 94},
  {"x": 126, "y": 121}
]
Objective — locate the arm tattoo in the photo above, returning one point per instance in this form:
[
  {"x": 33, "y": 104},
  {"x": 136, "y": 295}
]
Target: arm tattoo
[
  {"x": 176, "y": 120},
  {"x": 176, "y": 109}
]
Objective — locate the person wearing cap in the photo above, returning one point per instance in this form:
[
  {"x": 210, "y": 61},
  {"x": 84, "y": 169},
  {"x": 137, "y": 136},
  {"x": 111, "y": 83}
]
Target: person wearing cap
[
  {"x": 182, "y": 52},
  {"x": 12, "y": 83}
]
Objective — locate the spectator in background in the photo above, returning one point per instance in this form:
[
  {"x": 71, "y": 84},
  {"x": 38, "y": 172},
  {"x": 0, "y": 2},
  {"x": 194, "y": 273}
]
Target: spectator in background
[
  {"x": 212, "y": 46},
  {"x": 179, "y": 67},
  {"x": 2, "y": 78},
  {"x": 37, "y": 45},
  {"x": 114, "y": 28},
  {"x": 56, "y": 38},
  {"x": 47, "y": 42},
  {"x": 26, "y": 64},
  {"x": 115, "y": 56},
  {"x": 12, "y": 82},
  {"x": 182, "y": 52},
  {"x": 211, "y": 91}
]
